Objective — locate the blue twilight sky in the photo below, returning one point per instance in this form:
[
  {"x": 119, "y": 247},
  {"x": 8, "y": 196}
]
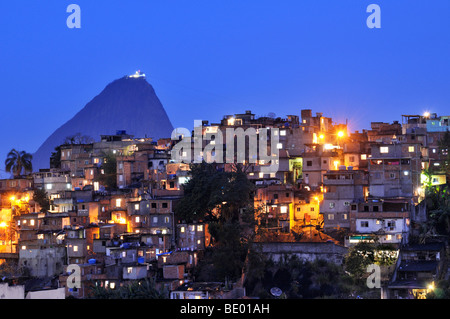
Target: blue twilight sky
[{"x": 208, "y": 58}]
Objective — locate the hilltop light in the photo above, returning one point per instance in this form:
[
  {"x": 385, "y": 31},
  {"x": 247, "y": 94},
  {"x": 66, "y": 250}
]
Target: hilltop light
[{"x": 426, "y": 114}]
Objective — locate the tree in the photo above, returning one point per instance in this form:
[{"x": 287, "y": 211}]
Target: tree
[
  {"x": 78, "y": 138},
  {"x": 363, "y": 254},
  {"x": 18, "y": 162},
  {"x": 438, "y": 208},
  {"x": 137, "y": 289},
  {"x": 444, "y": 148},
  {"x": 225, "y": 200},
  {"x": 109, "y": 166},
  {"x": 55, "y": 158},
  {"x": 40, "y": 196},
  {"x": 212, "y": 194}
]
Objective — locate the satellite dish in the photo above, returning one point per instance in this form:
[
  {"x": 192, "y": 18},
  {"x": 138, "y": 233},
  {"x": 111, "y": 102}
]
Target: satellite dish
[{"x": 276, "y": 292}]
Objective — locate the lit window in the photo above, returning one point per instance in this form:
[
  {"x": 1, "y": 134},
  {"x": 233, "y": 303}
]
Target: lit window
[
  {"x": 411, "y": 149},
  {"x": 384, "y": 149},
  {"x": 279, "y": 146},
  {"x": 200, "y": 228},
  {"x": 199, "y": 242},
  {"x": 24, "y": 247},
  {"x": 129, "y": 270},
  {"x": 137, "y": 219},
  {"x": 283, "y": 133},
  {"x": 136, "y": 206},
  {"x": 283, "y": 209},
  {"x": 32, "y": 222},
  {"x": 406, "y": 173},
  {"x": 182, "y": 229},
  {"x": 48, "y": 186},
  {"x": 330, "y": 217},
  {"x": 388, "y": 237},
  {"x": 118, "y": 202},
  {"x": 75, "y": 248},
  {"x": 363, "y": 157}
]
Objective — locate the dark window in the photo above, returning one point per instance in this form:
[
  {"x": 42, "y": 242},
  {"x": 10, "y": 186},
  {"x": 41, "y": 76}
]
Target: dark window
[
  {"x": 308, "y": 163},
  {"x": 153, "y": 205},
  {"x": 366, "y": 208},
  {"x": 375, "y": 208},
  {"x": 164, "y": 205}
]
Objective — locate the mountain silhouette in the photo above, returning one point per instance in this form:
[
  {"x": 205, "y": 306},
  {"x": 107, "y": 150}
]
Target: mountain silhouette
[{"x": 128, "y": 104}]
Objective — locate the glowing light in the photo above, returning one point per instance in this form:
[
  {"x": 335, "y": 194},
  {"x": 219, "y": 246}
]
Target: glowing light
[
  {"x": 340, "y": 134},
  {"x": 12, "y": 198},
  {"x": 231, "y": 121},
  {"x": 138, "y": 74},
  {"x": 3, "y": 224},
  {"x": 426, "y": 114},
  {"x": 336, "y": 164},
  {"x": 321, "y": 136}
]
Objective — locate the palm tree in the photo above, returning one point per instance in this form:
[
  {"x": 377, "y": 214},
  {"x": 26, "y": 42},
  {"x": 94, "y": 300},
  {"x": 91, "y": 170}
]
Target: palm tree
[{"x": 16, "y": 162}]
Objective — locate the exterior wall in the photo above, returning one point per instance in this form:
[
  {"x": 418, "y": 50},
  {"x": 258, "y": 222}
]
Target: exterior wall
[
  {"x": 12, "y": 292},
  {"x": 17, "y": 184},
  {"x": 307, "y": 251},
  {"x": 192, "y": 236},
  {"x": 173, "y": 271},
  {"x": 134, "y": 272},
  {"x": 47, "y": 294},
  {"x": 46, "y": 262}
]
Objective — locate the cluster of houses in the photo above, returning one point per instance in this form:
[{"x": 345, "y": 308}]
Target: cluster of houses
[{"x": 332, "y": 187}]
